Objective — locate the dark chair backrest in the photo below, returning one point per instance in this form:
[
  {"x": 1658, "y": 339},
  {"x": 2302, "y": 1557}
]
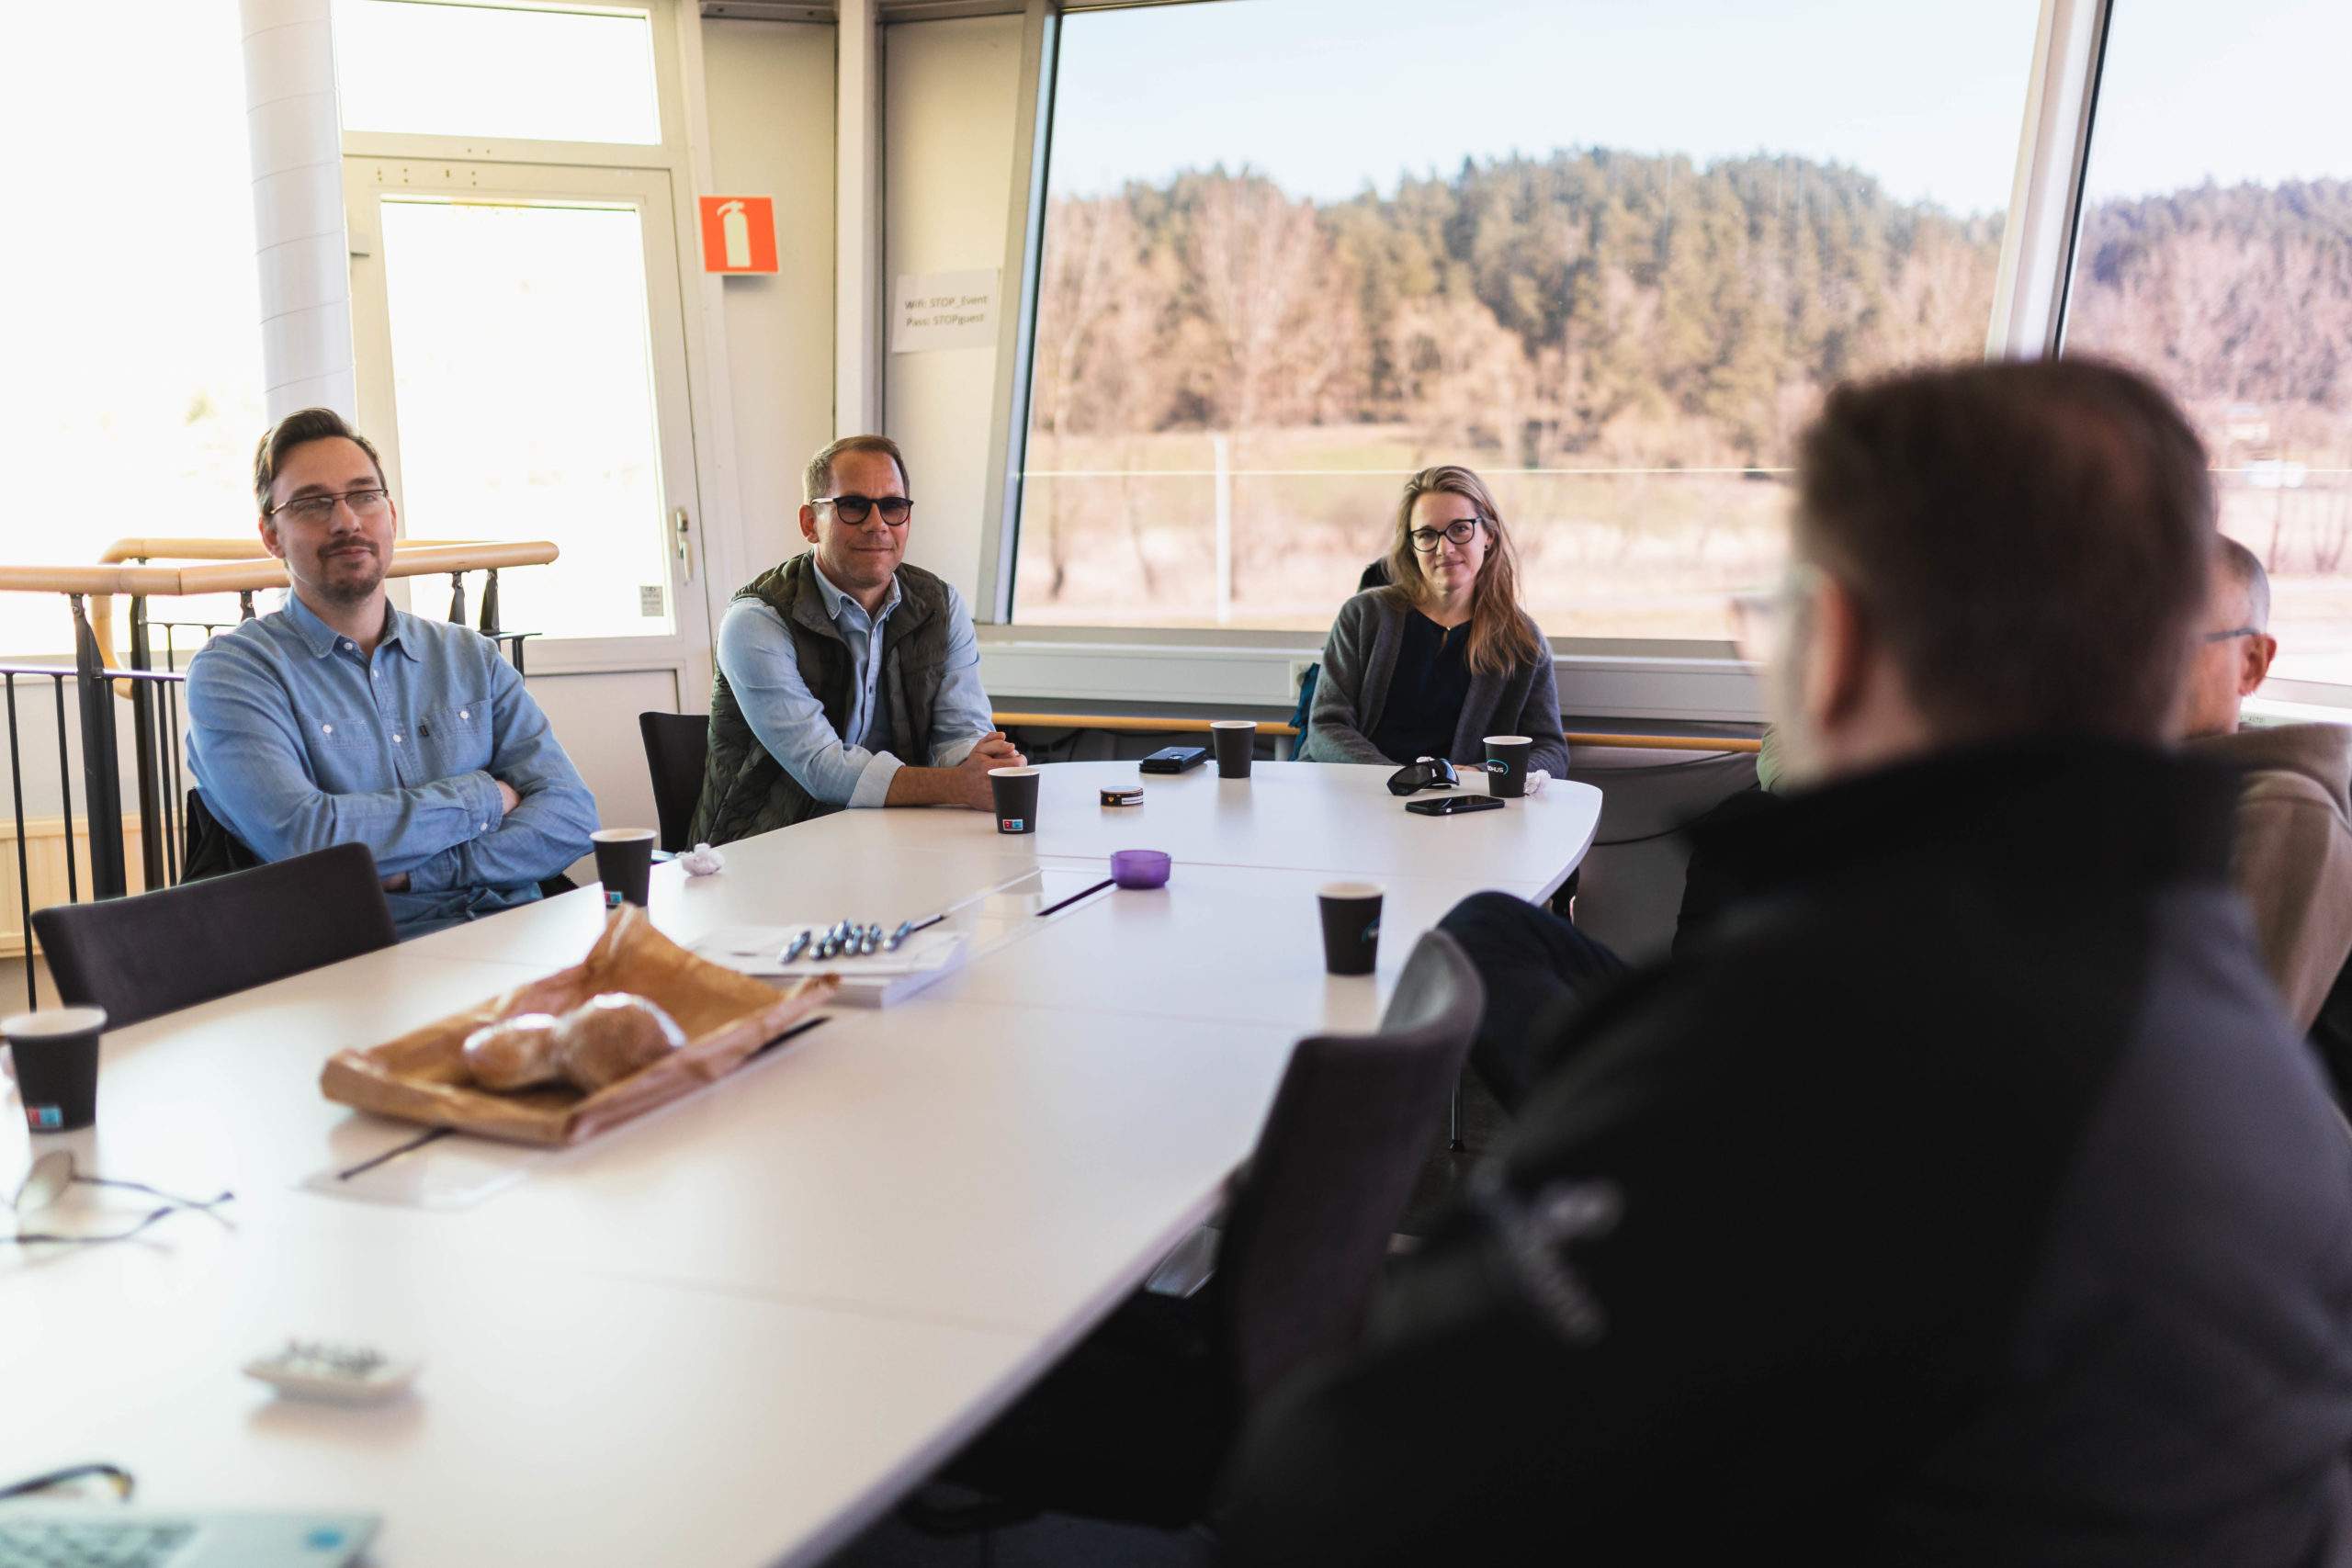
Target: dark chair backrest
[
  {"x": 1373, "y": 576},
  {"x": 155, "y": 952},
  {"x": 677, "y": 746},
  {"x": 1353, "y": 1123}
]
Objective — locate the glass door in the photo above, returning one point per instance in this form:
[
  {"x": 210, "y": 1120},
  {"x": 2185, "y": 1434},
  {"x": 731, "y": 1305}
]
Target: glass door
[{"x": 523, "y": 369}]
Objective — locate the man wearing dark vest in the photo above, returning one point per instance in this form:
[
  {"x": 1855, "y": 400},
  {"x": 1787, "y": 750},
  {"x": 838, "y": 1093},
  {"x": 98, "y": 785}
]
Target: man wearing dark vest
[{"x": 846, "y": 677}]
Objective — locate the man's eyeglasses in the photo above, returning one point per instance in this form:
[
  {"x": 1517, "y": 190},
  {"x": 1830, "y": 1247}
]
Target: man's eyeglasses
[
  {"x": 853, "y": 509},
  {"x": 2234, "y": 631},
  {"x": 364, "y": 504},
  {"x": 54, "y": 1173},
  {"x": 1459, "y": 531}
]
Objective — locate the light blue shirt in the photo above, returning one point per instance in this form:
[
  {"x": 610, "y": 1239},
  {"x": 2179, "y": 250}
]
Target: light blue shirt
[
  {"x": 755, "y": 654},
  {"x": 299, "y": 741}
]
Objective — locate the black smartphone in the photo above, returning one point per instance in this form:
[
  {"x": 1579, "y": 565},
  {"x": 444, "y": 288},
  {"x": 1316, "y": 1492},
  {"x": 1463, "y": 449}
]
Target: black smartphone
[
  {"x": 1173, "y": 759},
  {"x": 1453, "y": 804}
]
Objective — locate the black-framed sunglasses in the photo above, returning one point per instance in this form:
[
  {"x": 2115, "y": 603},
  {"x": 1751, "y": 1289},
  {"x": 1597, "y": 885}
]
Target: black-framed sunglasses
[
  {"x": 855, "y": 509},
  {"x": 2234, "y": 631},
  {"x": 54, "y": 1172},
  {"x": 368, "y": 502},
  {"x": 1459, "y": 531}
]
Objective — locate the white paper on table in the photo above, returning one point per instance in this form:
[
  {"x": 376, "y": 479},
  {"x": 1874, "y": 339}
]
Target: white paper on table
[{"x": 759, "y": 950}]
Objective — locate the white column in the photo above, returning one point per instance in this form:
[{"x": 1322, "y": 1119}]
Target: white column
[
  {"x": 857, "y": 220},
  {"x": 295, "y": 131}
]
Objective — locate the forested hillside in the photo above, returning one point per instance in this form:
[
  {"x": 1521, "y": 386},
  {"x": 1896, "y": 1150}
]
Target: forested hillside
[
  {"x": 1616, "y": 339},
  {"x": 2234, "y": 295},
  {"x": 1593, "y": 307}
]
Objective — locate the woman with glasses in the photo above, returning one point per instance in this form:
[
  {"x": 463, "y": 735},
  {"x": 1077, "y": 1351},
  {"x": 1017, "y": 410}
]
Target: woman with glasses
[{"x": 1445, "y": 656}]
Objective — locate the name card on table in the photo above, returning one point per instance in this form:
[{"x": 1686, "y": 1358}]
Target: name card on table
[{"x": 944, "y": 309}]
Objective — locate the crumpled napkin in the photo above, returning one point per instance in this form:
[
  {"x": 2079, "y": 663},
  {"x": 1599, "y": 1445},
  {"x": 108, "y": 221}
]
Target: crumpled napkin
[
  {"x": 703, "y": 860},
  {"x": 1536, "y": 779}
]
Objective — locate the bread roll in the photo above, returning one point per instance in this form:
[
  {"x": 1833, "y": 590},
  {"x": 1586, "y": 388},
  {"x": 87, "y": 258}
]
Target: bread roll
[
  {"x": 606, "y": 1038},
  {"x": 515, "y": 1053}
]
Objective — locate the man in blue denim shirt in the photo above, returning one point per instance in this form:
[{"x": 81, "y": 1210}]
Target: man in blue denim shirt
[{"x": 340, "y": 719}]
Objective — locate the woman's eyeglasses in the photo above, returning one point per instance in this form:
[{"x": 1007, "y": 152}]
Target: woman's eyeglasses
[
  {"x": 319, "y": 508},
  {"x": 1457, "y": 532},
  {"x": 895, "y": 509}
]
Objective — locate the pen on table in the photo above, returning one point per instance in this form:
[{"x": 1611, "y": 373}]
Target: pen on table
[
  {"x": 906, "y": 929},
  {"x": 1084, "y": 893},
  {"x": 798, "y": 945}
]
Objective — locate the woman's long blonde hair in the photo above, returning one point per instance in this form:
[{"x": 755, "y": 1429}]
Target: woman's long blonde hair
[{"x": 1501, "y": 637}]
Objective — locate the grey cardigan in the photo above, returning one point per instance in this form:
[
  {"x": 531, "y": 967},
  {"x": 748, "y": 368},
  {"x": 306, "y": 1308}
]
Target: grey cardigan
[{"x": 1360, "y": 657}]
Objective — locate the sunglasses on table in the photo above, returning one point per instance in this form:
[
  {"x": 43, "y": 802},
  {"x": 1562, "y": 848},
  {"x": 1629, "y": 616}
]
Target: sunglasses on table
[
  {"x": 895, "y": 509},
  {"x": 54, "y": 1172}
]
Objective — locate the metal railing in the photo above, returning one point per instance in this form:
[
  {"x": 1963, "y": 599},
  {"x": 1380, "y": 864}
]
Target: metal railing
[{"x": 153, "y": 694}]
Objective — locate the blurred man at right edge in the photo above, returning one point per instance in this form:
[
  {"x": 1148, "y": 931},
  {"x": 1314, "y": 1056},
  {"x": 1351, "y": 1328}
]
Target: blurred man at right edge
[{"x": 1964, "y": 1196}]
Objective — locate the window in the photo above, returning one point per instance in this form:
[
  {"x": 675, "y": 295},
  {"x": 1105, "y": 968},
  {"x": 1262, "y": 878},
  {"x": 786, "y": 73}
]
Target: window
[
  {"x": 1607, "y": 253},
  {"x": 546, "y": 74},
  {"x": 522, "y": 377},
  {"x": 2215, "y": 253},
  {"x": 129, "y": 314}
]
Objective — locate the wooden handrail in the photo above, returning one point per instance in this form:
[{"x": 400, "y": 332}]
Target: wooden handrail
[
  {"x": 1121, "y": 721},
  {"x": 1136, "y": 722},
  {"x": 236, "y": 576},
  {"x": 247, "y": 548}
]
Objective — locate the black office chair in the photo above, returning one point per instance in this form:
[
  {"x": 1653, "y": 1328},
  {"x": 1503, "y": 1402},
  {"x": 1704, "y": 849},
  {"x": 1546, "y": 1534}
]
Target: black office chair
[
  {"x": 1374, "y": 576},
  {"x": 156, "y": 953},
  {"x": 677, "y": 746},
  {"x": 1135, "y": 1423}
]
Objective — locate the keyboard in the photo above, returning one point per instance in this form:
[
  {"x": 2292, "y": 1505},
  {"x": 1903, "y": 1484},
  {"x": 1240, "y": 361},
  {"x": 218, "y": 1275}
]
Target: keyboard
[{"x": 41, "y": 1535}]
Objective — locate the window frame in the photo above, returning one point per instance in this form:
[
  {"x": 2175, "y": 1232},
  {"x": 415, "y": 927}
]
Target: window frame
[
  {"x": 1600, "y": 676},
  {"x": 684, "y": 155}
]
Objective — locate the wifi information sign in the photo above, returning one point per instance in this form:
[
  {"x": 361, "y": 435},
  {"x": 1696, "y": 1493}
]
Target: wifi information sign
[{"x": 737, "y": 233}]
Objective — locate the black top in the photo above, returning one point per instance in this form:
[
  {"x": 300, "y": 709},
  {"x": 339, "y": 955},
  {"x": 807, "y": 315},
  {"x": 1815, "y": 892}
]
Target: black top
[
  {"x": 1426, "y": 693},
  {"x": 1962, "y": 1195}
]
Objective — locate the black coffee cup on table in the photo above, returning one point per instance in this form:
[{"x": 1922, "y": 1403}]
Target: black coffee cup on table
[
  {"x": 1015, "y": 790},
  {"x": 1507, "y": 765},
  {"x": 1233, "y": 740},
  {"x": 625, "y": 864},
  {"x": 1350, "y": 926},
  {"x": 56, "y": 1052}
]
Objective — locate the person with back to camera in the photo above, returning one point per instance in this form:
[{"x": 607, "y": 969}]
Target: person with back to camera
[
  {"x": 2293, "y": 860},
  {"x": 1962, "y": 1194},
  {"x": 836, "y": 663},
  {"x": 1446, "y": 657}
]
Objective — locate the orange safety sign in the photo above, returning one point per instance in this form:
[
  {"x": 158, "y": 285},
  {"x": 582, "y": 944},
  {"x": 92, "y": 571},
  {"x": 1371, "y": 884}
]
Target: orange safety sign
[{"x": 737, "y": 233}]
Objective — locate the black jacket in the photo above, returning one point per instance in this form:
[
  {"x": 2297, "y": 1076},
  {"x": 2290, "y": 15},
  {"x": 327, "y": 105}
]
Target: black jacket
[{"x": 1963, "y": 1198}]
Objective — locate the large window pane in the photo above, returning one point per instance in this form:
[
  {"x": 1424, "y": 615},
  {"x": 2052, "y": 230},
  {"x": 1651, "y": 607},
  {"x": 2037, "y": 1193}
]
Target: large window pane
[
  {"x": 2216, "y": 254},
  {"x": 522, "y": 383},
  {"x": 129, "y": 337},
  {"x": 1608, "y": 253},
  {"x": 539, "y": 72}
]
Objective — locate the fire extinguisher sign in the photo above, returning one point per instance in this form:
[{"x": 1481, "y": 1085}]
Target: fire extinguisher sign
[{"x": 737, "y": 233}]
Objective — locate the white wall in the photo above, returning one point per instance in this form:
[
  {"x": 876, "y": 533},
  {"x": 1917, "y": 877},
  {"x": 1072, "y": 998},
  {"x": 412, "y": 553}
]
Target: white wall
[
  {"x": 594, "y": 717},
  {"x": 770, "y": 88},
  {"x": 950, "y": 93}
]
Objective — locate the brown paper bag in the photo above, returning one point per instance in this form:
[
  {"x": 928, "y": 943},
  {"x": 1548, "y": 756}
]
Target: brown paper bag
[{"x": 726, "y": 1017}]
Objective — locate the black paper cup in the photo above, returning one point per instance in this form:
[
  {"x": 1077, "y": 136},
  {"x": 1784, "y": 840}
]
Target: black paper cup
[
  {"x": 57, "y": 1066},
  {"x": 1233, "y": 740},
  {"x": 1015, "y": 790},
  {"x": 625, "y": 864},
  {"x": 1507, "y": 765},
  {"x": 1350, "y": 927}
]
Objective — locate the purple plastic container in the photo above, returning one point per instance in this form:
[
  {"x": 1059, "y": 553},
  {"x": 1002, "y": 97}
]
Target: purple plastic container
[{"x": 1139, "y": 868}]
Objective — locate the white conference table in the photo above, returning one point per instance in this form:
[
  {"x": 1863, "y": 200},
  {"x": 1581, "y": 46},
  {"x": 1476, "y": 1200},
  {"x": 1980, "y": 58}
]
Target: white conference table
[{"x": 734, "y": 1331}]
